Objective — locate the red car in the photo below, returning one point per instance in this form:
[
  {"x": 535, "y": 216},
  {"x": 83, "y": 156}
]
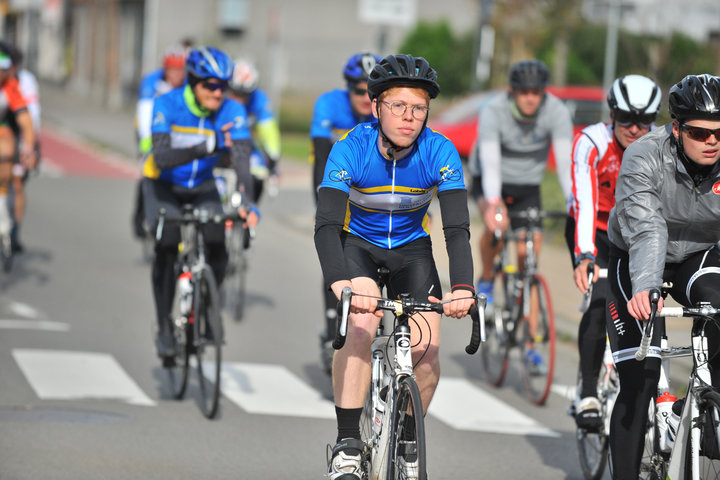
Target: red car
[{"x": 459, "y": 121}]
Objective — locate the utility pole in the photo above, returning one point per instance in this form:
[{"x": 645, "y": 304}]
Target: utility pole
[
  {"x": 484, "y": 45},
  {"x": 611, "y": 41}
]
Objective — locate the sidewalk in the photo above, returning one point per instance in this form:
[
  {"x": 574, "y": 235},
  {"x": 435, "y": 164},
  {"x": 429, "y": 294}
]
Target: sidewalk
[{"x": 112, "y": 131}]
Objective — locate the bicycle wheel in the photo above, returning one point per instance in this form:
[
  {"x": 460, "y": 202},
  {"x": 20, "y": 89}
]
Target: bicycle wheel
[
  {"x": 593, "y": 446},
  {"x": 407, "y": 451},
  {"x": 233, "y": 287},
  {"x": 6, "y": 253},
  {"x": 538, "y": 376},
  {"x": 182, "y": 332},
  {"x": 208, "y": 342},
  {"x": 709, "y": 456},
  {"x": 495, "y": 348},
  {"x": 653, "y": 463}
]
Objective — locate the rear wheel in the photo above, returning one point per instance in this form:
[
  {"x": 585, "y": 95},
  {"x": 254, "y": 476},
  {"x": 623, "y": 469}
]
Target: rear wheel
[
  {"x": 233, "y": 287},
  {"x": 495, "y": 348},
  {"x": 593, "y": 446},
  {"x": 538, "y": 371},
  {"x": 181, "y": 329},
  {"x": 407, "y": 434},
  {"x": 208, "y": 342}
]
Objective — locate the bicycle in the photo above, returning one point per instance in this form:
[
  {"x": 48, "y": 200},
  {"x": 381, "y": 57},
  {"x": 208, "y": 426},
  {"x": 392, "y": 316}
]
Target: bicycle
[
  {"x": 694, "y": 453},
  {"x": 510, "y": 324},
  {"x": 237, "y": 241},
  {"x": 593, "y": 444},
  {"x": 195, "y": 318},
  {"x": 394, "y": 395}
]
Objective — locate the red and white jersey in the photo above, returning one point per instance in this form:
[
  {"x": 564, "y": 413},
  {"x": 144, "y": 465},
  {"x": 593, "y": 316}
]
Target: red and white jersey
[{"x": 596, "y": 158}]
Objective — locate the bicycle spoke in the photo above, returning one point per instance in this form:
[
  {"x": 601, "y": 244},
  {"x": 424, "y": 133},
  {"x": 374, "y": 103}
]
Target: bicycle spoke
[
  {"x": 539, "y": 364},
  {"x": 407, "y": 447}
]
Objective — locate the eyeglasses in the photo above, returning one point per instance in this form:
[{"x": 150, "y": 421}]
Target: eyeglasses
[
  {"x": 359, "y": 91},
  {"x": 419, "y": 112},
  {"x": 627, "y": 120},
  {"x": 700, "y": 134},
  {"x": 214, "y": 86}
]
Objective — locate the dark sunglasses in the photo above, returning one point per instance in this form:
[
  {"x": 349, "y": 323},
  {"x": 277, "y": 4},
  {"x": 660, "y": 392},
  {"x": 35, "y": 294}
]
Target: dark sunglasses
[
  {"x": 359, "y": 91},
  {"x": 214, "y": 86},
  {"x": 627, "y": 120},
  {"x": 700, "y": 134}
]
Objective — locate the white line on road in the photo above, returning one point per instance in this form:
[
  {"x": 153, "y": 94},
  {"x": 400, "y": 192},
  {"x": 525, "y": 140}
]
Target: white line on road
[
  {"x": 272, "y": 390},
  {"x": 11, "y": 324},
  {"x": 63, "y": 375},
  {"x": 460, "y": 404}
]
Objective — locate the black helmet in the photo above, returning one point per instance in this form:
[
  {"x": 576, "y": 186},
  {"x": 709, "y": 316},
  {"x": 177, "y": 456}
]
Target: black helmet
[
  {"x": 402, "y": 71},
  {"x": 529, "y": 74},
  {"x": 696, "y": 96}
]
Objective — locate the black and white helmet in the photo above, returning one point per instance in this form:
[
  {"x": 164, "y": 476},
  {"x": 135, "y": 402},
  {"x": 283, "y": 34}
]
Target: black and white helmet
[
  {"x": 635, "y": 95},
  {"x": 695, "y": 97}
]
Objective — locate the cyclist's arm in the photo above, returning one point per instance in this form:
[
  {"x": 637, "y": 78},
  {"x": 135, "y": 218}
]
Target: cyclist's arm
[
  {"x": 456, "y": 228},
  {"x": 27, "y": 133},
  {"x": 585, "y": 193},
  {"x": 167, "y": 157},
  {"x": 268, "y": 135},
  {"x": 489, "y": 151},
  {"x": 329, "y": 221},
  {"x": 562, "y": 147},
  {"x": 240, "y": 151},
  {"x": 143, "y": 115}
]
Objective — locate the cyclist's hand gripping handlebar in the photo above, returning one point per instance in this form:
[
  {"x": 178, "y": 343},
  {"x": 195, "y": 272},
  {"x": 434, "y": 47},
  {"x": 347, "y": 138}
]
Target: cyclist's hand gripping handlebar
[
  {"x": 647, "y": 332},
  {"x": 343, "y": 313},
  {"x": 585, "y": 304}
]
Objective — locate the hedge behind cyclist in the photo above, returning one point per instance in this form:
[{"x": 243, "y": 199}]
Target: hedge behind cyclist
[
  {"x": 515, "y": 133},
  {"x": 664, "y": 227},
  {"x": 634, "y": 103},
  {"x": 334, "y": 114},
  {"x": 372, "y": 211},
  {"x": 191, "y": 125}
]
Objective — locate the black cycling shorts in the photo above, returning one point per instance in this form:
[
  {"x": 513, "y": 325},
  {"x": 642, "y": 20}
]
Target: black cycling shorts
[
  {"x": 518, "y": 198},
  {"x": 412, "y": 267}
]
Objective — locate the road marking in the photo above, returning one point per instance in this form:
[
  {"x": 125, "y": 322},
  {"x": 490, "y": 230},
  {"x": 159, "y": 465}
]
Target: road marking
[
  {"x": 64, "y": 375},
  {"x": 463, "y": 406},
  {"x": 272, "y": 390},
  {"x": 19, "y": 324},
  {"x": 565, "y": 391},
  {"x": 23, "y": 309}
]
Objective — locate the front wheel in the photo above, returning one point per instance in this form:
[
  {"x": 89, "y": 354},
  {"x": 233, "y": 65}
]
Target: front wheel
[
  {"x": 208, "y": 341},
  {"x": 407, "y": 434},
  {"x": 709, "y": 455},
  {"x": 539, "y": 359},
  {"x": 495, "y": 348},
  {"x": 593, "y": 446},
  {"x": 234, "y": 285}
]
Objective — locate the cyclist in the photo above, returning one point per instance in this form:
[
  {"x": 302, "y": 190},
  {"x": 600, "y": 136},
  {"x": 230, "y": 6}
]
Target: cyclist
[
  {"x": 664, "y": 227},
  {"x": 515, "y": 133},
  {"x": 191, "y": 125},
  {"x": 634, "y": 103},
  {"x": 372, "y": 210},
  {"x": 13, "y": 103},
  {"x": 335, "y": 113},
  {"x": 162, "y": 80},
  {"x": 262, "y": 123},
  {"x": 29, "y": 89}
]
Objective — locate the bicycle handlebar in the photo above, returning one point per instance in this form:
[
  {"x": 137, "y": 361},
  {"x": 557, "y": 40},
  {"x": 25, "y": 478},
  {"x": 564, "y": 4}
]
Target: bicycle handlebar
[
  {"x": 198, "y": 216},
  {"x": 587, "y": 296},
  {"x": 647, "y": 330},
  {"x": 409, "y": 306}
]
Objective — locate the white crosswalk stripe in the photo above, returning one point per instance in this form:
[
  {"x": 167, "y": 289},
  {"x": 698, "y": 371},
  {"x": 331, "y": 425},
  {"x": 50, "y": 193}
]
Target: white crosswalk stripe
[{"x": 64, "y": 375}]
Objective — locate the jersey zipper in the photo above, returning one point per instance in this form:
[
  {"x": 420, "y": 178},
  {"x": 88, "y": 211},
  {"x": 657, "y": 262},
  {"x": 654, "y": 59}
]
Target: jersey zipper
[{"x": 392, "y": 199}]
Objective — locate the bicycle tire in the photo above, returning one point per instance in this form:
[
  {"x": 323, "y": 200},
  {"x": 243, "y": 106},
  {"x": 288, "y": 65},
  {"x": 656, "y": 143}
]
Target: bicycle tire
[
  {"x": 495, "y": 349},
  {"x": 6, "y": 253},
  {"x": 538, "y": 382},
  {"x": 407, "y": 404},
  {"x": 709, "y": 457},
  {"x": 593, "y": 446},
  {"x": 653, "y": 463},
  {"x": 208, "y": 341},
  {"x": 234, "y": 285}
]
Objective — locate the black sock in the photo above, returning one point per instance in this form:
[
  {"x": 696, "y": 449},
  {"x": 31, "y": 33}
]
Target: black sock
[{"x": 348, "y": 422}]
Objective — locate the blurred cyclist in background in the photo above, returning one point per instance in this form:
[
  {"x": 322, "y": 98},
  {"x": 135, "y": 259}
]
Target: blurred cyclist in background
[
  {"x": 634, "y": 103},
  {"x": 336, "y": 112},
  {"x": 261, "y": 120},
  {"x": 171, "y": 75}
]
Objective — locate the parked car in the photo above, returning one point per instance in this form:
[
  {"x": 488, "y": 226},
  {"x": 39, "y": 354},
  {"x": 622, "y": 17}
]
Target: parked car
[{"x": 459, "y": 121}]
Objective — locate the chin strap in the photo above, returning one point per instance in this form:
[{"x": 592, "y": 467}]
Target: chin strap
[{"x": 393, "y": 146}]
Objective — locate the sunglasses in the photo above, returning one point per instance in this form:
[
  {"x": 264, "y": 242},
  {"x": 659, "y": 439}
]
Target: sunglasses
[
  {"x": 214, "y": 86},
  {"x": 359, "y": 91},
  {"x": 627, "y": 120},
  {"x": 700, "y": 134}
]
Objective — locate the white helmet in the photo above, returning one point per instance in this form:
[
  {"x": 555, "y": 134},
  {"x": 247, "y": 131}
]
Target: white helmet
[
  {"x": 635, "y": 95},
  {"x": 245, "y": 77}
]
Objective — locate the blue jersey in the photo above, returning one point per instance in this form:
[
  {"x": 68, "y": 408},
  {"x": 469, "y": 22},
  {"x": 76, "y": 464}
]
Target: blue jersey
[
  {"x": 388, "y": 201},
  {"x": 333, "y": 116},
  {"x": 176, "y": 114},
  {"x": 258, "y": 107}
]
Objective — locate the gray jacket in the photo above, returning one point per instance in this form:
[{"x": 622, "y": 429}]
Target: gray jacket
[{"x": 659, "y": 214}]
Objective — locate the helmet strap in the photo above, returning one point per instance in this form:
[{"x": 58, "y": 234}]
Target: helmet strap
[{"x": 393, "y": 146}]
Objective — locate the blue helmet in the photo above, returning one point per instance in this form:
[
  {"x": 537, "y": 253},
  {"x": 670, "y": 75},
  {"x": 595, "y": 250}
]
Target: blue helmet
[
  {"x": 209, "y": 62},
  {"x": 358, "y": 67}
]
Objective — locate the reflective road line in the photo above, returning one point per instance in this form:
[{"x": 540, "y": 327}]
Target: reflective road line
[
  {"x": 463, "y": 406},
  {"x": 64, "y": 375},
  {"x": 272, "y": 390},
  {"x": 11, "y": 324}
]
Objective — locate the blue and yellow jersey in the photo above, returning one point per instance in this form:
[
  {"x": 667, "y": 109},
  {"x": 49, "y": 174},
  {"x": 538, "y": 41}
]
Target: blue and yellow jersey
[
  {"x": 388, "y": 201},
  {"x": 177, "y": 114},
  {"x": 333, "y": 116}
]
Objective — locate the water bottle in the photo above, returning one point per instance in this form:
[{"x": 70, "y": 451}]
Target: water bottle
[
  {"x": 663, "y": 413},
  {"x": 185, "y": 292}
]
